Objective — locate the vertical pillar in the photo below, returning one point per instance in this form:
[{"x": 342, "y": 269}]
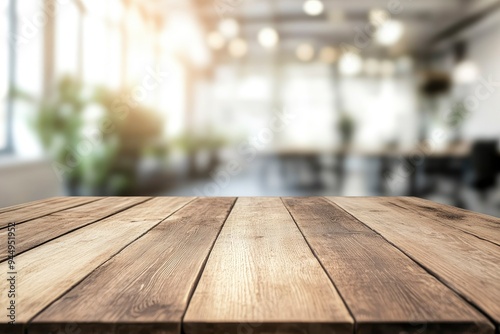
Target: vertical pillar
[
  {"x": 12, "y": 73},
  {"x": 49, "y": 48}
]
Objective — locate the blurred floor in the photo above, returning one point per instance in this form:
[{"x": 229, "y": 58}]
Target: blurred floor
[{"x": 264, "y": 178}]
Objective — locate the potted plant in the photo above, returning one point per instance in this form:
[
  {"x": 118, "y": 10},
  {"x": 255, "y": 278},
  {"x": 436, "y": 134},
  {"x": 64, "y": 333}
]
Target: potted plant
[{"x": 90, "y": 159}]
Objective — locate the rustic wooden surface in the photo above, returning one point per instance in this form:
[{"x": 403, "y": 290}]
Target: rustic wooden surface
[
  {"x": 38, "y": 231},
  {"x": 155, "y": 289},
  {"x": 482, "y": 226},
  {"x": 251, "y": 265},
  {"x": 20, "y": 214},
  {"x": 262, "y": 271},
  {"x": 370, "y": 272},
  {"x": 467, "y": 264}
]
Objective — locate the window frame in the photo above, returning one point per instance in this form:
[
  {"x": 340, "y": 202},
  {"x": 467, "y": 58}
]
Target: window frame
[{"x": 11, "y": 72}]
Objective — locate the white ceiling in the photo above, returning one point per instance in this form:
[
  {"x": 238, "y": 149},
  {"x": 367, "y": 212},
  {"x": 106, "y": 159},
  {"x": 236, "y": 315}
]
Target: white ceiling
[{"x": 423, "y": 20}]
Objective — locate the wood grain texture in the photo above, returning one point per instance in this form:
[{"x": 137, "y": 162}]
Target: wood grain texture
[
  {"x": 40, "y": 230},
  {"x": 465, "y": 263},
  {"x": 386, "y": 291},
  {"x": 483, "y": 226},
  {"x": 48, "y": 271},
  {"x": 28, "y": 204},
  {"x": 262, "y": 276},
  {"x": 42, "y": 208},
  {"x": 147, "y": 284}
]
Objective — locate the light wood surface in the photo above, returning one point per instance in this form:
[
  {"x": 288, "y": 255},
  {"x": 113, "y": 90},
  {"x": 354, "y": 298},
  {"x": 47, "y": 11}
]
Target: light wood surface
[
  {"x": 370, "y": 272},
  {"x": 480, "y": 225},
  {"x": 46, "y": 201},
  {"x": 45, "y": 273},
  {"x": 42, "y": 208},
  {"x": 465, "y": 263},
  {"x": 38, "y": 231},
  {"x": 262, "y": 271},
  {"x": 170, "y": 265},
  {"x": 153, "y": 293}
]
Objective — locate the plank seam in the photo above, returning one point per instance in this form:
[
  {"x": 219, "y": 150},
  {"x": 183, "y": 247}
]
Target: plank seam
[
  {"x": 50, "y": 213},
  {"x": 322, "y": 267},
  {"x": 204, "y": 264},
  {"x": 102, "y": 264},
  {"x": 80, "y": 227},
  {"x": 25, "y": 205},
  {"x": 455, "y": 227},
  {"x": 428, "y": 270}
]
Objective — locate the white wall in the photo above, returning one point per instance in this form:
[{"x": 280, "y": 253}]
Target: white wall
[
  {"x": 484, "y": 50},
  {"x": 23, "y": 181}
]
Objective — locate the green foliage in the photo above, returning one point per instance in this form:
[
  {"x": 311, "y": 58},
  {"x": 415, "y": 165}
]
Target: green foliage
[
  {"x": 346, "y": 127},
  {"x": 98, "y": 135},
  {"x": 191, "y": 143},
  {"x": 458, "y": 114}
]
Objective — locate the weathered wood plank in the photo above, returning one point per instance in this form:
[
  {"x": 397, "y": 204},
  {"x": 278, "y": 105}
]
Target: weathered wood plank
[
  {"x": 41, "y": 209},
  {"x": 147, "y": 284},
  {"x": 465, "y": 263},
  {"x": 40, "y": 230},
  {"x": 48, "y": 271},
  {"x": 483, "y": 226},
  {"x": 28, "y": 204},
  {"x": 386, "y": 291},
  {"x": 261, "y": 275}
]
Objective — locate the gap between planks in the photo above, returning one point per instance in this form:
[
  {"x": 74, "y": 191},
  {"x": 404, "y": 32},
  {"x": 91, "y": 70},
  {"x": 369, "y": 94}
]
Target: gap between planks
[
  {"x": 369, "y": 272},
  {"x": 9, "y": 216},
  {"x": 189, "y": 236},
  {"x": 319, "y": 261},
  {"x": 262, "y": 276},
  {"x": 23, "y": 246},
  {"x": 200, "y": 273},
  {"x": 485, "y": 307},
  {"x": 478, "y": 225},
  {"x": 45, "y": 294},
  {"x": 198, "y": 277}
]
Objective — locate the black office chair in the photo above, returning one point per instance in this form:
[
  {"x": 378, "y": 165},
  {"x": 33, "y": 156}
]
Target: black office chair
[
  {"x": 484, "y": 159},
  {"x": 448, "y": 168}
]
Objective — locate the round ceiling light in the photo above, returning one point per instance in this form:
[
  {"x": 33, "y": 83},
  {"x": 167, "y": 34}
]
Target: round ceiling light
[
  {"x": 238, "y": 48},
  {"x": 313, "y": 7},
  {"x": 350, "y": 64},
  {"x": 465, "y": 72},
  {"x": 229, "y": 28},
  {"x": 378, "y": 16},
  {"x": 268, "y": 37},
  {"x": 305, "y": 52},
  {"x": 328, "y": 55},
  {"x": 389, "y": 33},
  {"x": 215, "y": 40}
]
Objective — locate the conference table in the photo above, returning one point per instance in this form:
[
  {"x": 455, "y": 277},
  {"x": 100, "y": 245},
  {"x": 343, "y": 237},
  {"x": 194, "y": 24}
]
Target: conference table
[
  {"x": 395, "y": 165},
  {"x": 248, "y": 265}
]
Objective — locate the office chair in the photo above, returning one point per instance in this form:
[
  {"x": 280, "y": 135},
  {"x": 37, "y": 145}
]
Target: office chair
[{"x": 484, "y": 166}]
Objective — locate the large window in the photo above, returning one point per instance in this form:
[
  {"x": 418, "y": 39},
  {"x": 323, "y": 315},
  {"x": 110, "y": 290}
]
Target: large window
[
  {"x": 67, "y": 49},
  {"x": 102, "y": 43},
  {"x": 115, "y": 44},
  {"x": 28, "y": 75},
  {"x": 4, "y": 72}
]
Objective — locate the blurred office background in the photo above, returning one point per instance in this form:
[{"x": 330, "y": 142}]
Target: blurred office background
[{"x": 251, "y": 97}]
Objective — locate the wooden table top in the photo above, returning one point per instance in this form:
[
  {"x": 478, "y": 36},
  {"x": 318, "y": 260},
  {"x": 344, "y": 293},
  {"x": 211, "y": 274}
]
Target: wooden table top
[{"x": 248, "y": 265}]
